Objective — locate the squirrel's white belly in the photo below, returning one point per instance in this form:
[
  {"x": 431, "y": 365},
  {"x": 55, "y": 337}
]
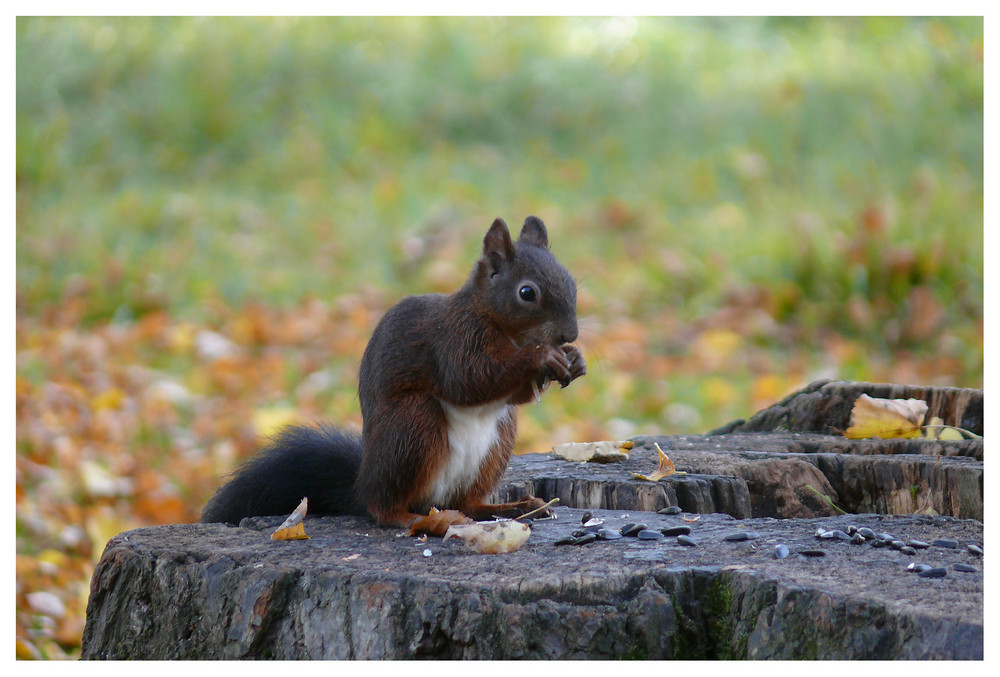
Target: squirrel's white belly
[{"x": 472, "y": 432}]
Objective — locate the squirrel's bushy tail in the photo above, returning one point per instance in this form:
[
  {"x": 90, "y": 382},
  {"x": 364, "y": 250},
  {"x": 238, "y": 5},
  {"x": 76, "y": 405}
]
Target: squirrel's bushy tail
[{"x": 319, "y": 463}]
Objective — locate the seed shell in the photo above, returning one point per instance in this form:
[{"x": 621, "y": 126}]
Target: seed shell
[
  {"x": 609, "y": 534},
  {"x": 937, "y": 572},
  {"x": 676, "y": 531},
  {"x": 632, "y": 529}
]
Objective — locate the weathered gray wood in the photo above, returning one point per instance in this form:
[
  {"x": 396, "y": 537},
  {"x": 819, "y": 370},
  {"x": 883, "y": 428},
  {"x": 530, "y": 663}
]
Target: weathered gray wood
[
  {"x": 357, "y": 591},
  {"x": 763, "y": 475},
  {"x": 825, "y": 407},
  {"x": 764, "y": 466}
]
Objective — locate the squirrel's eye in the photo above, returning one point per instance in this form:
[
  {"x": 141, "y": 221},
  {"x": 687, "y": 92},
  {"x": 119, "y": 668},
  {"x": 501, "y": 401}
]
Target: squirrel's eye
[{"x": 527, "y": 293}]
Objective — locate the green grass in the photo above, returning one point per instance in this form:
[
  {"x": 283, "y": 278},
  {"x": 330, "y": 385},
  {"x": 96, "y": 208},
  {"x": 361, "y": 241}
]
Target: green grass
[{"x": 679, "y": 163}]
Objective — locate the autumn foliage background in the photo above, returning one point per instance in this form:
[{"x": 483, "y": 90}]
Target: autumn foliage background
[{"x": 212, "y": 214}]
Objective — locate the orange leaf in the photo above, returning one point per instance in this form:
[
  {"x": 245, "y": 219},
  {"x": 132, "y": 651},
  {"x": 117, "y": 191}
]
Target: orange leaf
[
  {"x": 292, "y": 529},
  {"x": 665, "y": 470}
]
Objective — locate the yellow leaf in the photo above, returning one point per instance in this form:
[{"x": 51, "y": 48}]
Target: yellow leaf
[
  {"x": 267, "y": 422},
  {"x": 109, "y": 399},
  {"x": 102, "y": 525},
  {"x": 292, "y": 529},
  {"x": 25, "y": 650},
  {"x": 718, "y": 392},
  {"x": 665, "y": 470},
  {"x": 937, "y": 430},
  {"x": 181, "y": 338},
  {"x": 950, "y": 434},
  {"x": 53, "y": 558},
  {"x": 883, "y": 418}
]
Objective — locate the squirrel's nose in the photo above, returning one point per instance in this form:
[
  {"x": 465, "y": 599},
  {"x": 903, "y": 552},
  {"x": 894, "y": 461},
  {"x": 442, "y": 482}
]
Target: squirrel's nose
[{"x": 568, "y": 334}]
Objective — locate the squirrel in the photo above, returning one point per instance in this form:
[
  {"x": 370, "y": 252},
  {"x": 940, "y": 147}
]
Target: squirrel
[{"x": 440, "y": 381}]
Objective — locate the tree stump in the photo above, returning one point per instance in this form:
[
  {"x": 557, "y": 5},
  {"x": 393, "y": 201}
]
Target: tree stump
[{"x": 356, "y": 591}]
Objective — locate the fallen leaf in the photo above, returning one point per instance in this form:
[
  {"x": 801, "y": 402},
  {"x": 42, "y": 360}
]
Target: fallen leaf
[
  {"x": 437, "y": 522},
  {"x": 351, "y": 558},
  {"x": 883, "y": 418},
  {"x": 104, "y": 524},
  {"x": 491, "y": 538},
  {"x": 292, "y": 529},
  {"x": 665, "y": 470},
  {"x": 267, "y": 422},
  {"x": 109, "y": 399},
  {"x": 937, "y": 430}
]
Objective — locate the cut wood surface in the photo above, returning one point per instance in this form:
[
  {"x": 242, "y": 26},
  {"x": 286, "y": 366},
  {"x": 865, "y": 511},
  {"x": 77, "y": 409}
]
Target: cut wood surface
[{"x": 211, "y": 591}]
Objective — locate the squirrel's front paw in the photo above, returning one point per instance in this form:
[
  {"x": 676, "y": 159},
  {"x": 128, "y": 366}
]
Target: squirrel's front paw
[
  {"x": 531, "y": 503},
  {"x": 554, "y": 365},
  {"x": 577, "y": 365}
]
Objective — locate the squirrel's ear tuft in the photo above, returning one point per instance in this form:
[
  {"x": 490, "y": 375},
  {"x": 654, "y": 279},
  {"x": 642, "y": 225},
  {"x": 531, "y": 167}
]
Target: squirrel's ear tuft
[
  {"x": 497, "y": 246},
  {"x": 533, "y": 232}
]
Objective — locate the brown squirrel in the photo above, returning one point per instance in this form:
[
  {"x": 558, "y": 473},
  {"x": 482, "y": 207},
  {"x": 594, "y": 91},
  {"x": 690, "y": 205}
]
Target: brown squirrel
[{"x": 439, "y": 384}]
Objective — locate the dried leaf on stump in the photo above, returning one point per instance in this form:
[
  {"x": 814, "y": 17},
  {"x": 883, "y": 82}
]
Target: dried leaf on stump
[
  {"x": 665, "y": 470},
  {"x": 292, "y": 529},
  {"x": 937, "y": 430},
  {"x": 878, "y": 417},
  {"x": 885, "y": 419}
]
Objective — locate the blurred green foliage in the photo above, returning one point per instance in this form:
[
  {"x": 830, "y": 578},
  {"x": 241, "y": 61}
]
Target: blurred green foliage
[{"x": 818, "y": 169}]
